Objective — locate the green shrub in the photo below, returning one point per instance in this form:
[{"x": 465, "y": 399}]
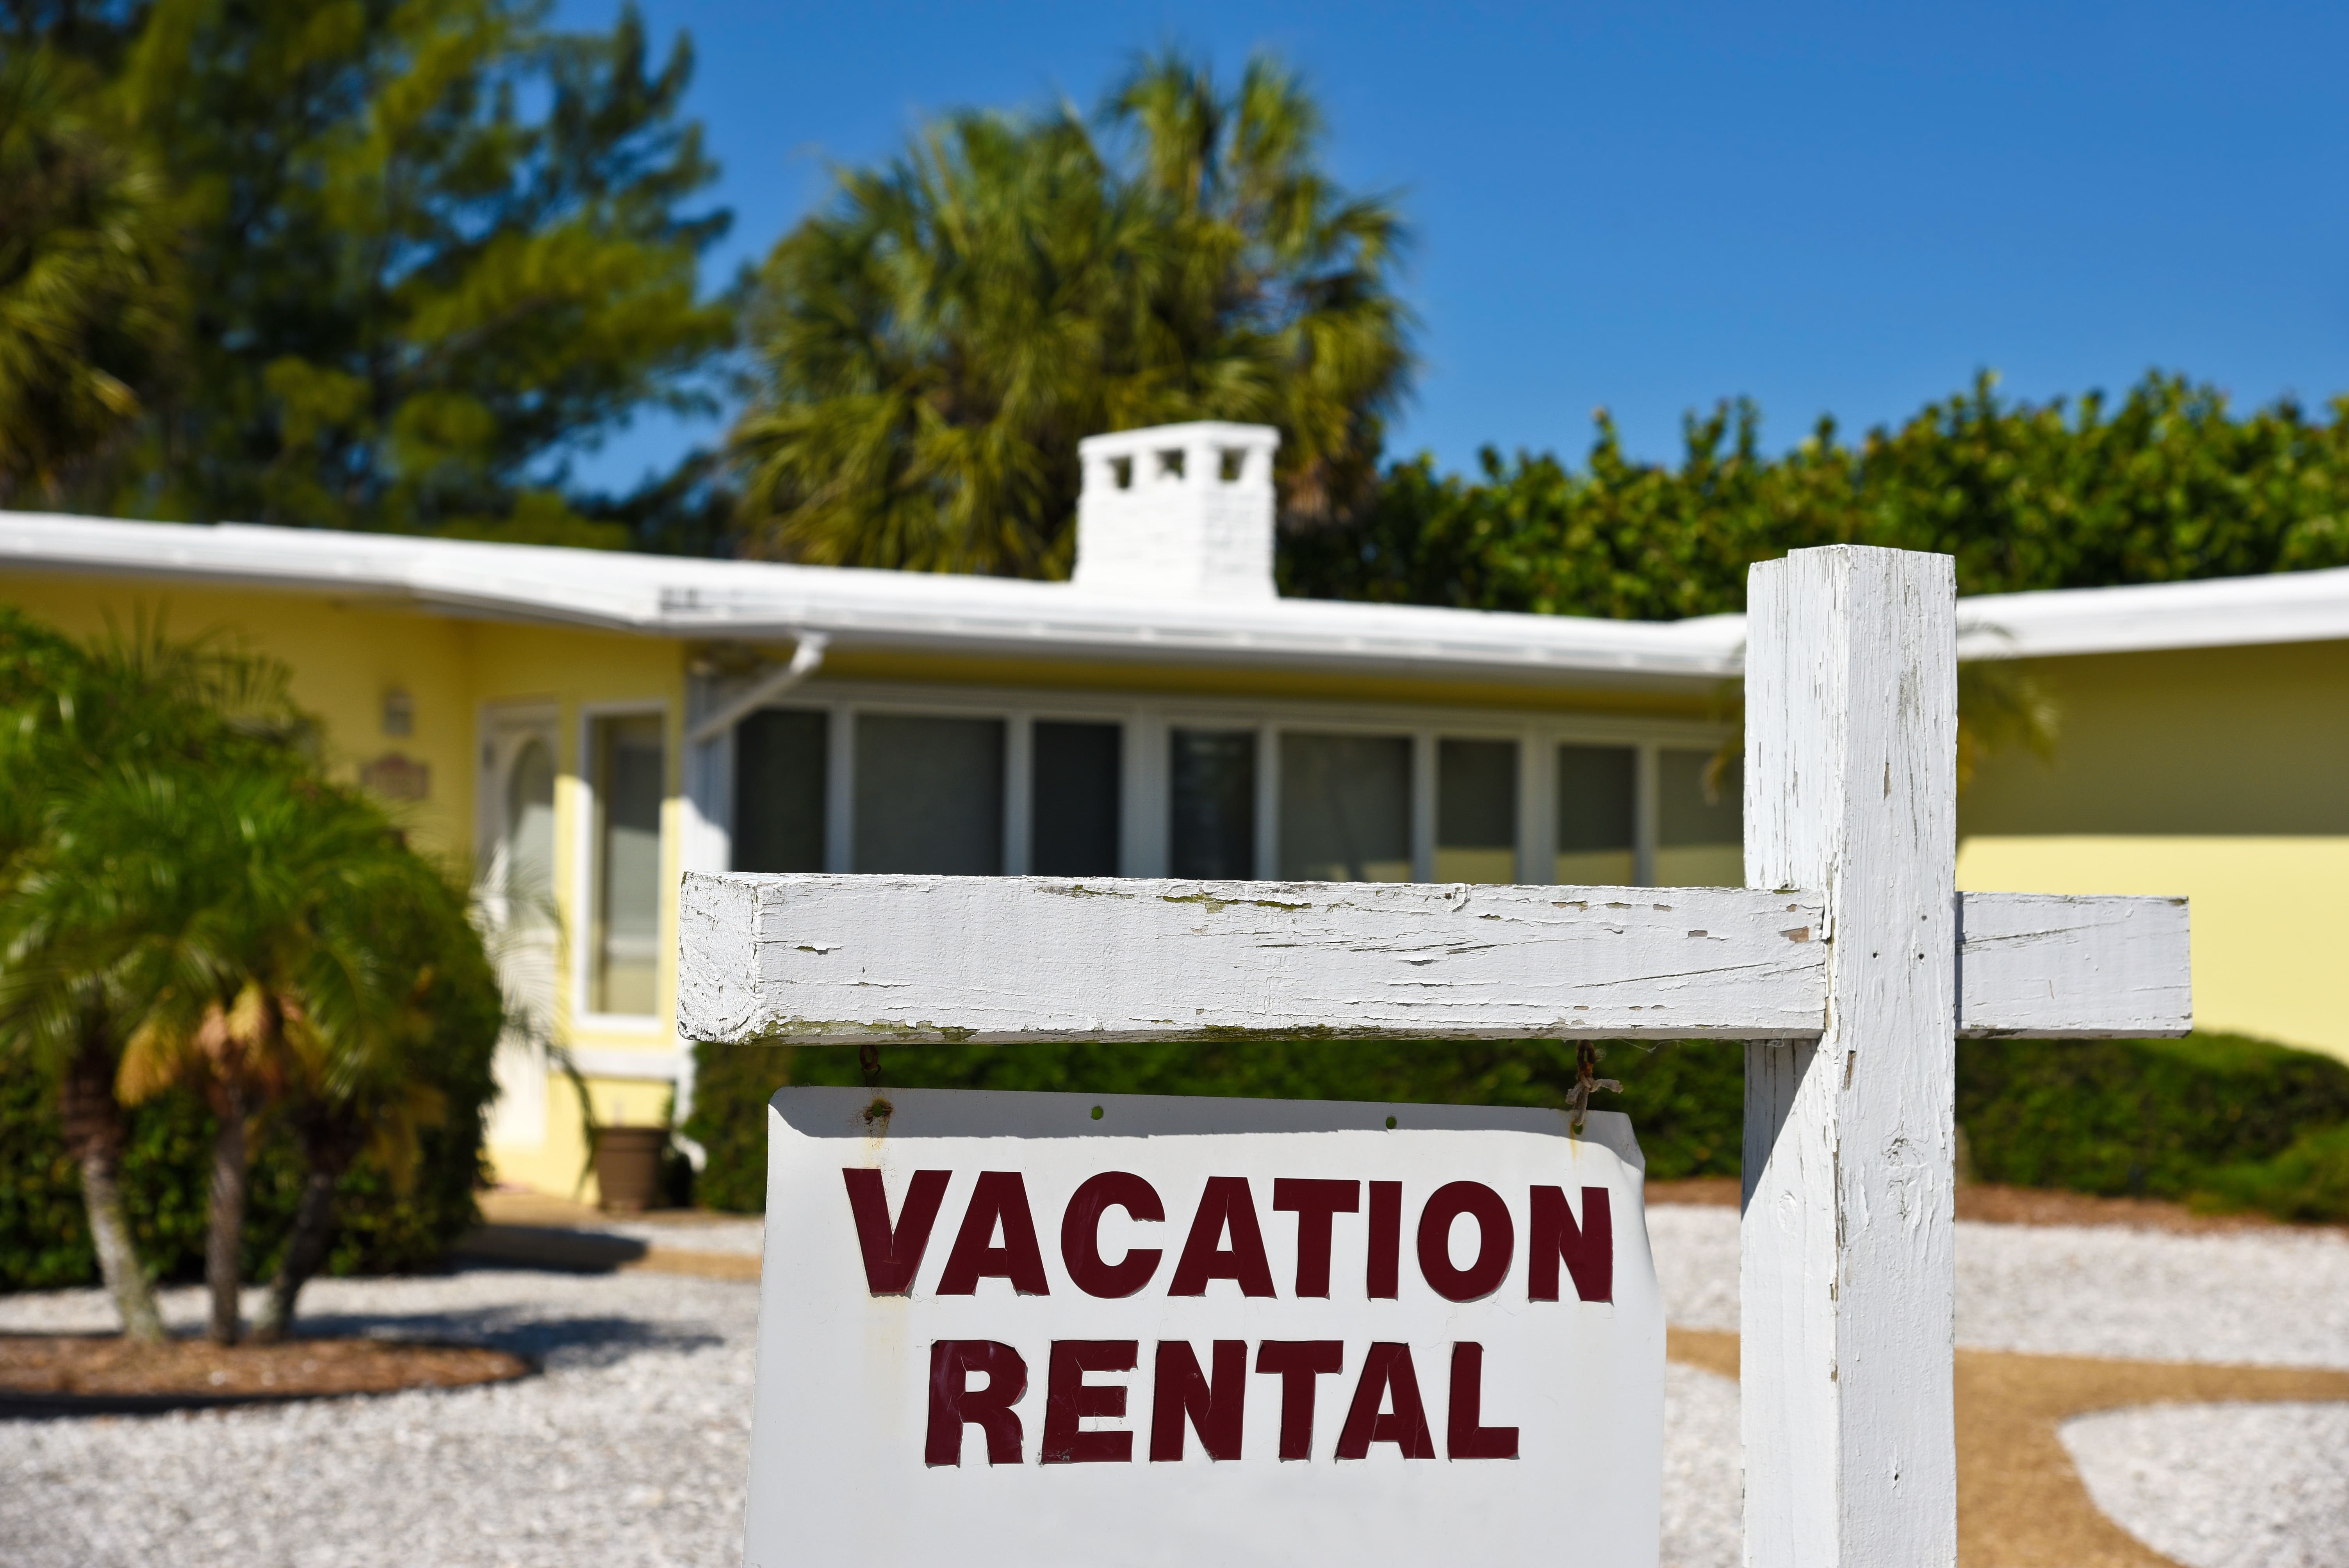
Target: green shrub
[
  {"x": 45, "y": 1239},
  {"x": 2151, "y": 1118},
  {"x": 2216, "y": 1119},
  {"x": 1685, "y": 1096}
]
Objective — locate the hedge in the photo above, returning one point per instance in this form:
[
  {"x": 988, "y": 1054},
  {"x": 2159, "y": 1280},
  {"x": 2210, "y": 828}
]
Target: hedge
[
  {"x": 2218, "y": 1121},
  {"x": 45, "y": 1241}
]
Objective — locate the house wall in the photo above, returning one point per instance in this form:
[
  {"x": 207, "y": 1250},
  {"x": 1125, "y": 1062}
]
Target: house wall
[{"x": 2221, "y": 774}]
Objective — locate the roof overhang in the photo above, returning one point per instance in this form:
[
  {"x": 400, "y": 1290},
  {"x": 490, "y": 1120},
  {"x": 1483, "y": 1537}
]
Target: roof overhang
[{"x": 670, "y": 596}]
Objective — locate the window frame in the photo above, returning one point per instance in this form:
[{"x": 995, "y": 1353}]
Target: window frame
[{"x": 1146, "y": 719}]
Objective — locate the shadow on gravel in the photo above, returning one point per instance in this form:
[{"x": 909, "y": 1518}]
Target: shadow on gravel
[{"x": 556, "y": 1341}]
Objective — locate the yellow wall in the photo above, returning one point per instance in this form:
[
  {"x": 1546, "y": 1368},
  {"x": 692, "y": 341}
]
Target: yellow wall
[
  {"x": 344, "y": 656},
  {"x": 2221, "y": 774}
]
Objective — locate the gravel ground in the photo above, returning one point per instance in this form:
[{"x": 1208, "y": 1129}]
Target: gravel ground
[
  {"x": 2223, "y": 1486},
  {"x": 631, "y": 1449},
  {"x": 2253, "y": 1298},
  {"x": 1703, "y": 1501}
]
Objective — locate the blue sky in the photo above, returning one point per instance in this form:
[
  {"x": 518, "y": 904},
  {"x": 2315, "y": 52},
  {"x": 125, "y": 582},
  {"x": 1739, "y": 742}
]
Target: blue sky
[{"x": 1845, "y": 209}]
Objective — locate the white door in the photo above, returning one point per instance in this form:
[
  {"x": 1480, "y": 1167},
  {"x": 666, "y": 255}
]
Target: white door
[{"x": 519, "y": 920}]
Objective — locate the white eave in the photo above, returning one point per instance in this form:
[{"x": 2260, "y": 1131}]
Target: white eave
[{"x": 998, "y": 617}]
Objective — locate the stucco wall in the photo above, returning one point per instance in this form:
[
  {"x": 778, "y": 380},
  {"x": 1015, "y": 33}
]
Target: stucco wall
[{"x": 2221, "y": 774}]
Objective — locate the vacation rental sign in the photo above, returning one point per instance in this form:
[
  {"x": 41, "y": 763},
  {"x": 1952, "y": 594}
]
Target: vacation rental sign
[{"x": 1043, "y": 1328}]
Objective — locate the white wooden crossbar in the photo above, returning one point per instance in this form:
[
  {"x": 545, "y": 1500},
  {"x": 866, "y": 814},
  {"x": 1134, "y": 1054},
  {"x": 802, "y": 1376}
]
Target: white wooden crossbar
[{"x": 844, "y": 959}]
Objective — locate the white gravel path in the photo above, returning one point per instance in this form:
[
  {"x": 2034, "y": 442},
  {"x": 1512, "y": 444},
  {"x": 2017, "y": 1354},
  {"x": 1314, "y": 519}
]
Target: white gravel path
[
  {"x": 2223, "y": 1486},
  {"x": 631, "y": 1448}
]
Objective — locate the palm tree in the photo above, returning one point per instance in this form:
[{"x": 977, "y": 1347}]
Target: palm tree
[
  {"x": 400, "y": 1006},
  {"x": 89, "y": 297},
  {"x": 935, "y": 346},
  {"x": 71, "y": 714}
]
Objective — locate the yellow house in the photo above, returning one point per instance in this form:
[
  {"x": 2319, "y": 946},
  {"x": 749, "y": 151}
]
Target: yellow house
[{"x": 580, "y": 727}]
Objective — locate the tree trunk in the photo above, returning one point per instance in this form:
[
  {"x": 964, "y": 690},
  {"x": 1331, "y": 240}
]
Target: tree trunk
[
  {"x": 92, "y": 1123},
  {"x": 227, "y": 1216},
  {"x": 313, "y": 1227}
]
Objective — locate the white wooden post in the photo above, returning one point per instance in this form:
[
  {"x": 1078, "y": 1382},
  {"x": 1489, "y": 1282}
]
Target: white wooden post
[{"x": 1848, "y": 1275}]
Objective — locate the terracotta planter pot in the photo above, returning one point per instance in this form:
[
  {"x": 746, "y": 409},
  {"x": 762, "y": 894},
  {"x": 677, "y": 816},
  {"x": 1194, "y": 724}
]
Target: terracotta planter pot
[{"x": 628, "y": 1167}]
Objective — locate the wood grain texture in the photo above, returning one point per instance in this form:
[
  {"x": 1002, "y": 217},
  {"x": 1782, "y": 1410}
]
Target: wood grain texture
[
  {"x": 817, "y": 958},
  {"x": 826, "y": 958},
  {"x": 1848, "y": 1271},
  {"x": 2055, "y": 966}
]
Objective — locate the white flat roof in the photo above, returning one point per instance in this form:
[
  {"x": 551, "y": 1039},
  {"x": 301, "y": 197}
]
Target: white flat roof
[{"x": 673, "y": 596}]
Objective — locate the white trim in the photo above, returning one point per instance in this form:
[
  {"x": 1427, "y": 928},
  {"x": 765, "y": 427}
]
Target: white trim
[{"x": 756, "y": 601}]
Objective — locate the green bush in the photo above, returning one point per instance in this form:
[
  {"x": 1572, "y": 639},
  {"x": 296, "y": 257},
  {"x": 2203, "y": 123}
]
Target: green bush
[
  {"x": 1684, "y": 1096},
  {"x": 2149, "y": 1118},
  {"x": 2218, "y": 1120},
  {"x": 45, "y": 1239}
]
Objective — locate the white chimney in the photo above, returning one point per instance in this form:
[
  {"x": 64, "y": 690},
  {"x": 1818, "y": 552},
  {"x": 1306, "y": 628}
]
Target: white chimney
[{"x": 1177, "y": 511}]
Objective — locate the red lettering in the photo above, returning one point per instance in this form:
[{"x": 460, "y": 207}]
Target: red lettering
[
  {"x": 893, "y": 1254},
  {"x": 1297, "y": 1363},
  {"x": 1385, "y": 1271},
  {"x": 1465, "y": 1437},
  {"x": 1069, "y": 1399},
  {"x": 999, "y": 1197},
  {"x": 1387, "y": 1370},
  {"x": 1588, "y": 1250},
  {"x": 1080, "y": 1234},
  {"x": 1497, "y": 1241},
  {"x": 1181, "y": 1392},
  {"x": 953, "y": 1403},
  {"x": 1315, "y": 1203},
  {"x": 1225, "y": 1205}
]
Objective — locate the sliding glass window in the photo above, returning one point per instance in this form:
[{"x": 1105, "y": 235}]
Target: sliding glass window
[
  {"x": 781, "y": 758},
  {"x": 929, "y": 794},
  {"x": 1597, "y": 824},
  {"x": 1074, "y": 817},
  {"x": 1345, "y": 808},
  {"x": 1477, "y": 812},
  {"x": 1699, "y": 819},
  {"x": 627, "y": 772},
  {"x": 1211, "y": 803}
]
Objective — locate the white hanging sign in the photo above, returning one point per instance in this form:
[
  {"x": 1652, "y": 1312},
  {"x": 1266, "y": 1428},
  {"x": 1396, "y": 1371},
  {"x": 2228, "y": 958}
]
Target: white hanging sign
[{"x": 1047, "y": 1328}]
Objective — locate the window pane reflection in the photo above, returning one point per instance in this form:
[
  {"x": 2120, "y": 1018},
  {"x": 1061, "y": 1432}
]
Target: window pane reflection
[
  {"x": 1211, "y": 805},
  {"x": 1073, "y": 815},
  {"x": 1345, "y": 808},
  {"x": 779, "y": 757},
  {"x": 1477, "y": 812},
  {"x": 1699, "y": 822},
  {"x": 1595, "y": 821},
  {"x": 625, "y": 945},
  {"x": 929, "y": 795}
]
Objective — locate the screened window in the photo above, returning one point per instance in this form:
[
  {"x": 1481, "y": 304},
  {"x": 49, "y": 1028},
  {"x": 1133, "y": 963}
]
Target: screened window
[
  {"x": 929, "y": 795},
  {"x": 1211, "y": 803},
  {"x": 623, "y": 949},
  {"x": 1699, "y": 822},
  {"x": 1597, "y": 825},
  {"x": 781, "y": 758},
  {"x": 1477, "y": 812},
  {"x": 1345, "y": 808},
  {"x": 1073, "y": 824}
]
